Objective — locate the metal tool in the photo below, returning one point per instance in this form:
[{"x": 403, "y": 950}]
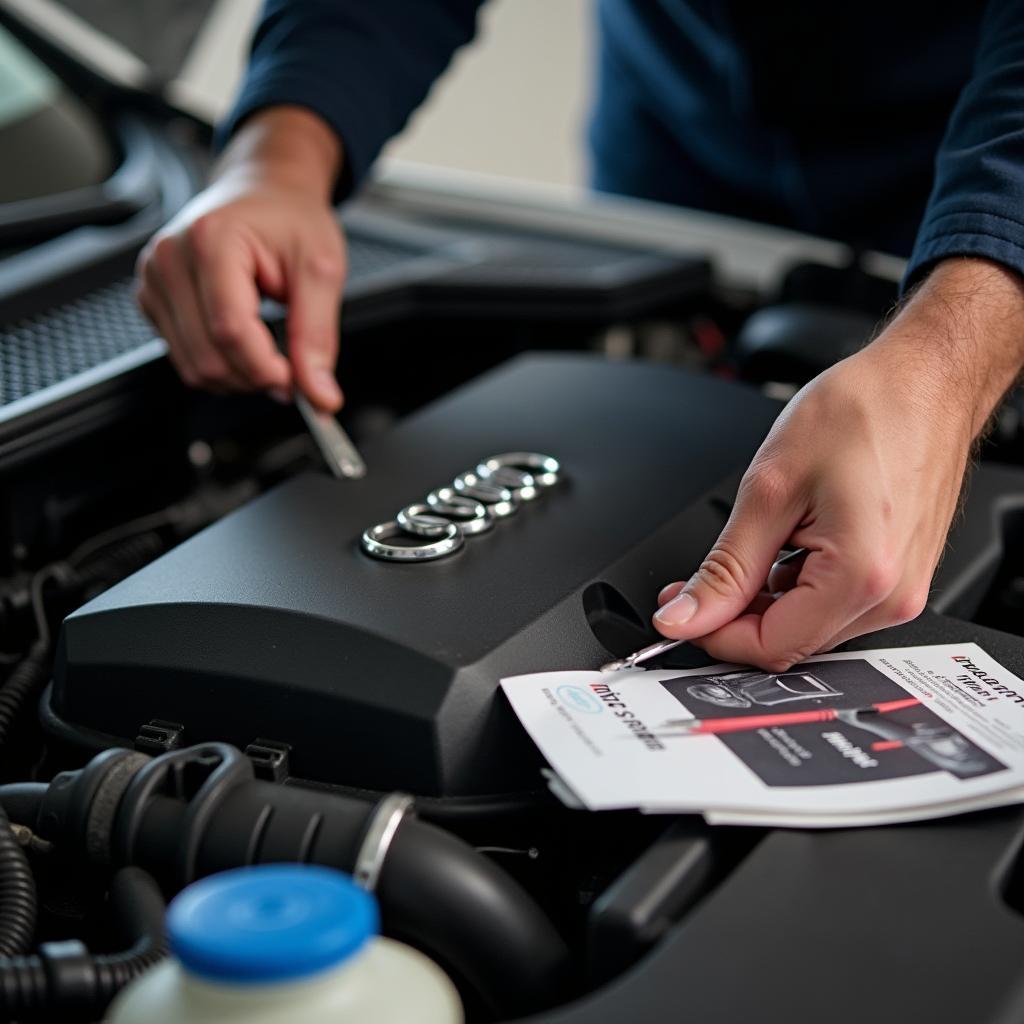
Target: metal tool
[
  {"x": 335, "y": 445},
  {"x": 638, "y": 657}
]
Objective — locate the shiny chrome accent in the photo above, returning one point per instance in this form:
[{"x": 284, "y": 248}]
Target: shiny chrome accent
[
  {"x": 500, "y": 501},
  {"x": 544, "y": 470},
  {"x": 639, "y": 657},
  {"x": 335, "y": 445},
  {"x": 476, "y": 498},
  {"x": 420, "y": 520},
  {"x": 471, "y": 516},
  {"x": 376, "y": 542},
  {"x": 386, "y": 820}
]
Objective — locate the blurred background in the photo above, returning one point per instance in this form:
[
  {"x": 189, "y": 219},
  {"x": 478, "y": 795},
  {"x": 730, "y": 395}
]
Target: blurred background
[{"x": 513, "y": 103}]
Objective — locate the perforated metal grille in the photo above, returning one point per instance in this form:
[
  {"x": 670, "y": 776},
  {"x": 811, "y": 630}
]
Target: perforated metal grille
[
  {"x": 50, "y": 347},
  {"x": 369, "y": 256}
]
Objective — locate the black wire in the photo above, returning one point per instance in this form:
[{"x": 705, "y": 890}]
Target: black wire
[
  {"x": 143, "y": 524},
  {"x": 86, "y": 550},
  {"x": 65, "y": 979},
  {"x": 39, "y": 581}
]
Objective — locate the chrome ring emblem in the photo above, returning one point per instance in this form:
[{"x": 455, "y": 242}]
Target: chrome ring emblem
[
  {"x": 376, "y": 542},
  {"x": 421, "y": 520},
  {"x": 500, "y": 501},
  {"x": 470, "y": 515},
  {"x": 535, "y": 471},
  {"x": 495, "y": 489}
]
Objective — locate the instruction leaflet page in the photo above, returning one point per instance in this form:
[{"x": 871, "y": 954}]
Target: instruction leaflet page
[{"x": 870, "y": 734}]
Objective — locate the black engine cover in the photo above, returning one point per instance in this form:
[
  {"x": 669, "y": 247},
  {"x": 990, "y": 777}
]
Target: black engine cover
[{"x": 274, "y": 624}]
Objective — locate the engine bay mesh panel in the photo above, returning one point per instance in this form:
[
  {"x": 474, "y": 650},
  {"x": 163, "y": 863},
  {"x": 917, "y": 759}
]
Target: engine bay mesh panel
[
  {"x": 50, "y": 347},
  {"x": 43, "y": 350}
]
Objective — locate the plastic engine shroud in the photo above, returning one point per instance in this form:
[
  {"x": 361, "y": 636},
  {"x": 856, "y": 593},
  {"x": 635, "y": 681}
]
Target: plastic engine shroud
[{"x": 274, "y": 624}]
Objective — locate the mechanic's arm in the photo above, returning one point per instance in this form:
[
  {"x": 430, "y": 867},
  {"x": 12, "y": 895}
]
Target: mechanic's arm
[
  {"x": 329, "y": 81},
  {"x": 864, "y": 467}
]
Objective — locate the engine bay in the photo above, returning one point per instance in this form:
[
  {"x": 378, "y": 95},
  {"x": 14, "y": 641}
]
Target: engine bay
[{"x": 202, "y": 666}]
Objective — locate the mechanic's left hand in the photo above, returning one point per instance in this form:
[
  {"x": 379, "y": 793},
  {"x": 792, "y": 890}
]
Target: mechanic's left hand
[{"x": 863, "y": 470}]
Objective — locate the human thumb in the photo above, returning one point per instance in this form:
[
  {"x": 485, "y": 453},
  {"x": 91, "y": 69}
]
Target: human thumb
[{"x": 734, "y": 571}]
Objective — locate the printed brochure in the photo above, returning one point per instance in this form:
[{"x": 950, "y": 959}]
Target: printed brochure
[{"x": 868, "y": 737}]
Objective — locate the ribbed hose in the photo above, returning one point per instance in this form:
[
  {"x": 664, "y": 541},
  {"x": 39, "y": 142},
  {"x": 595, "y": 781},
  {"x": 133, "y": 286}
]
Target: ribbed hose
[
  {"x": 24, "y": 988},
  {"x": 24, "y": 683},
  {"x": 65, "y": 979},
  {"x": 17, "y": 894},
  {"x": 119, "y": 560}
]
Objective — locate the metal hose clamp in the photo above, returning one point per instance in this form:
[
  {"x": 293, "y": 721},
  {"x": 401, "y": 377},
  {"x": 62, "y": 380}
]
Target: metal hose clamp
[{"x": 384, "y": 823}]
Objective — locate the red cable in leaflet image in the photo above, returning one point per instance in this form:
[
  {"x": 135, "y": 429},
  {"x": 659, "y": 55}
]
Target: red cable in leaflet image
[
  {"x": 844, "y": 721},
  {"x": 718, "y": 726}
]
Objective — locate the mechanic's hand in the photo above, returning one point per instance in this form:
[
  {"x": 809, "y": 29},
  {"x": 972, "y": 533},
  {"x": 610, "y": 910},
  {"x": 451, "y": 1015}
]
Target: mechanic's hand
[
  {"x": 862, "y": 470},
  {"x": 264, "y": 226}
]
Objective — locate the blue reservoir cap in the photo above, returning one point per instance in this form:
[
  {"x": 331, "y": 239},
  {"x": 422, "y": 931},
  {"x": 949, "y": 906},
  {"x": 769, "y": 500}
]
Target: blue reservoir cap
[{"x": 269, "y": 923}]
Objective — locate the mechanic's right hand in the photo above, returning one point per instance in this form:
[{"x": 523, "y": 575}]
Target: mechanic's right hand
[{"x": 265, "y": 226}]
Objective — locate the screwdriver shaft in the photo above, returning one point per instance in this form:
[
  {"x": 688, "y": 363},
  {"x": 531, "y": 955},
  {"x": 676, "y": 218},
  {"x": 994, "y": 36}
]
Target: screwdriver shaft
[{"x": 335, "y": 445}]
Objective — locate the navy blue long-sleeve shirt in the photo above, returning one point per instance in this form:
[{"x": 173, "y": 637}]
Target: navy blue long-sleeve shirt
[{"x": 885, "y": 125}]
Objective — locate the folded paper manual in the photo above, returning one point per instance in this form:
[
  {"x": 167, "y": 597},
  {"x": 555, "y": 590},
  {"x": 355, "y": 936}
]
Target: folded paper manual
[{"x": 844, "y": 739}]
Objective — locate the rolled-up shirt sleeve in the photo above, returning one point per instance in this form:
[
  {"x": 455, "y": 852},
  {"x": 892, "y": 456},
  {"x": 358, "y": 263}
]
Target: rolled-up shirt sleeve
[
  {"x": 361, "y": 65},
  {"x": 976, "y": 207}
]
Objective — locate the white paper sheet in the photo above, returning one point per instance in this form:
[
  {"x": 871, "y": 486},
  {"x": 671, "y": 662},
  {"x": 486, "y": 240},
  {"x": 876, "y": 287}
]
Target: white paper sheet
[{"x": 901, "y": 734}]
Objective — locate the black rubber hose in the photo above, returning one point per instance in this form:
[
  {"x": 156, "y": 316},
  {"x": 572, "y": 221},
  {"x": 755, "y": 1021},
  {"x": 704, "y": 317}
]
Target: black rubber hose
[
  {"x": 21, "y": 801},
  {"x": 438, "y": 894},
  {"x": 17, "y": 894},
  {"x": 21, "y": 686},
  {"x": 139, "y": 908},
  {"x": 65, "y": 979},
  {"x": 435, "y": 890},
  {"x": 120, "y": 560},
  {"x": 24, "y": 987}
]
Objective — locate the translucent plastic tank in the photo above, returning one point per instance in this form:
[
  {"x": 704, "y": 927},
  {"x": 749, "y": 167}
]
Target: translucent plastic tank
[{"x": 284, "y": 944}]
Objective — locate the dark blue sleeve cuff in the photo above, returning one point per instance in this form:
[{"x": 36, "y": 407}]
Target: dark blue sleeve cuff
[
  {"x": 977, "y": 203},
  {"x": 361, "y": 66},
  {"x": 350, "y": 120},
  {"x": 984, "y": 235}
]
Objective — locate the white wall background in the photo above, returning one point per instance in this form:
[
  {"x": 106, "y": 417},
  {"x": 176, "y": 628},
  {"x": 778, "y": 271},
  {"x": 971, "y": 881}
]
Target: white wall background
[{"x": 513, "y": 103}]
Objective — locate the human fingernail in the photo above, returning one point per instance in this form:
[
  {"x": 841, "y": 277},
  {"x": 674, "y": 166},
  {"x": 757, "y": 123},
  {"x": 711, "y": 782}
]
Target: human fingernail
[
  {"x": 678, "y": 611},
  {"x": 279, "y": 395},
  {"x": 327, "y": 386}
]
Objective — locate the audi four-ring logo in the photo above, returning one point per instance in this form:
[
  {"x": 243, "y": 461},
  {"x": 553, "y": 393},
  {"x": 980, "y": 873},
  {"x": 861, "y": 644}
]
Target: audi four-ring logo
[{"x": 470, "y": 506}]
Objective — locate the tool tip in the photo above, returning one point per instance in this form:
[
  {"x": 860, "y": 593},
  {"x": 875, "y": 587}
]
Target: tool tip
[{"x": 616, "y": 666}]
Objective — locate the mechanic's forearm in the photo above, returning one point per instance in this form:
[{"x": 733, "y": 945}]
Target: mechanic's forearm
[
  {"x": 962, "y": 337},
  {"x": 291, "y": 145}
]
